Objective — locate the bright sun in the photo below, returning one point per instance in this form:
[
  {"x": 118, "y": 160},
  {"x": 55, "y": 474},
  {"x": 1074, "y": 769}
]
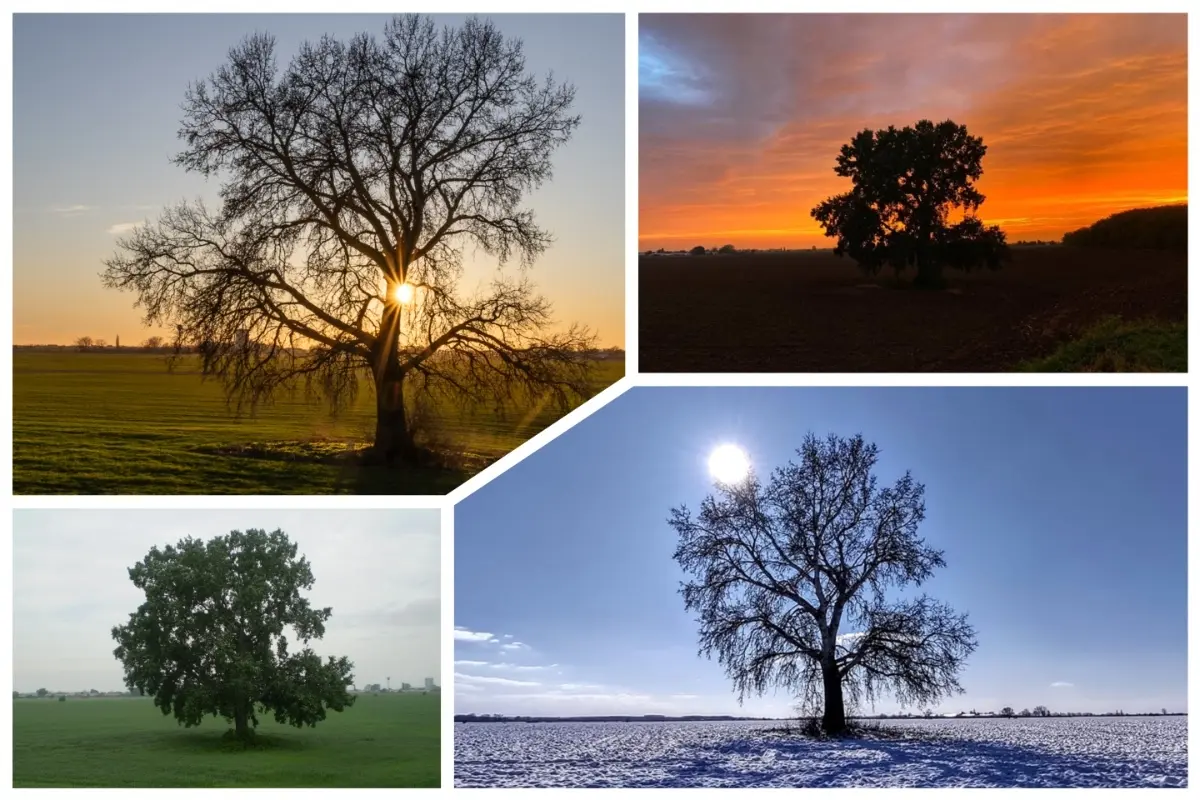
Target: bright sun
[
  {"x": 404, "y": 293},
  {"x": 729, "y": 464}
]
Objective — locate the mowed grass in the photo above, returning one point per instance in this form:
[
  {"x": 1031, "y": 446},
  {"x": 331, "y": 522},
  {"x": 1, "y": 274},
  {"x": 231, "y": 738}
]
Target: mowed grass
[
  {"x": 1115, "y": 345},
  {"x": 380, "y": 741},
  {"x": 97, "y": 423}
]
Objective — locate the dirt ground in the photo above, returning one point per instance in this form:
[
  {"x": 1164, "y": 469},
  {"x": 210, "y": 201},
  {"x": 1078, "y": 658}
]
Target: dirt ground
[{"x": 815, "y": 312}]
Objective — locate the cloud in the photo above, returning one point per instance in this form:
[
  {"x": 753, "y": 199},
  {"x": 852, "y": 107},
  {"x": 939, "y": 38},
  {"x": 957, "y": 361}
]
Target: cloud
[
  {"x": 514, "y": 646},
  {"x": 464, "y": 635},
  {"x": 466, "y": 663},
  {"x": 75, "y": 209},
  {"x": 1062, "y": 685},
  {"x": 123, "y": 227},
  {"x": 493, "y": 680},
  {"x": 523, "y": 667}
]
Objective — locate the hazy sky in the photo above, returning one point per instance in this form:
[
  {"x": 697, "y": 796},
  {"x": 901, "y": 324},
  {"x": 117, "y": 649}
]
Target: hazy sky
[
  {"x": 379, "y": 571},
  {"x": 96, "y": 108},
  {"x": 1062, "y": 514},
  {"x": 742, "y": 116}
]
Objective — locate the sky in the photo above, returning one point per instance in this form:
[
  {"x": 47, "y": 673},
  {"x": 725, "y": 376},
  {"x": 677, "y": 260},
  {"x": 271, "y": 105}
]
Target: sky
[
  {"x": 741, "y": 117},
  {"x": 378, "y": 570},
  {"x": 96, "y": 108},
  {"x": 1062, "y": 514}
]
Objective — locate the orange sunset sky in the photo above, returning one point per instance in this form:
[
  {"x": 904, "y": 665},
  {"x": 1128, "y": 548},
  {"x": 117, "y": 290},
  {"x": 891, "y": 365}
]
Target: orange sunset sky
[{"x": 742, "y": 116}]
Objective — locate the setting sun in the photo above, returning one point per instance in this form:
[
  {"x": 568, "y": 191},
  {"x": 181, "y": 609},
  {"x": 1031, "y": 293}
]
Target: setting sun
[{"x": 404, "y": 293}]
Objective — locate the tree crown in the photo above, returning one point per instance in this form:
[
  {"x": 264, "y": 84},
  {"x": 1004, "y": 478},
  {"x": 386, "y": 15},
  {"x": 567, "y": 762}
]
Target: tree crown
[
  {"x": 212, "y": 636},
  {"x": 791, "y": 577}
]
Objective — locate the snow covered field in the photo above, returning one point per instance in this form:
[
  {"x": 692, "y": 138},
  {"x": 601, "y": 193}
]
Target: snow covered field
[{"x": 1093, "y": 752}]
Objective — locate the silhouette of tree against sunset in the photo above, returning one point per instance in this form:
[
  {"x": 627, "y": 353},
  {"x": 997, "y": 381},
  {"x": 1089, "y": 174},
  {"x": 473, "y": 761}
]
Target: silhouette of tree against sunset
[
  {"x": 353, "y": 180},
  {"x": 907, "y": 184}
]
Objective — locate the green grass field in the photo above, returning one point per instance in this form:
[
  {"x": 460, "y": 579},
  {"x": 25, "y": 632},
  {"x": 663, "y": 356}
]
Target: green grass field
[
  {"x": 95, "y": 423},
  {"x": 1115, "y": 345},
  {"x": 380, "y": 741}
]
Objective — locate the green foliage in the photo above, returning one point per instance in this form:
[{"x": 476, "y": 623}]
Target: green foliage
[
  {"x": 1158, "y": 228},
  {"x": 1115, "y": 345},
  {"x": 42, "y": 692},
  {"x": 209, "y": 639},
  {"x": 390, "y": 741},
  {"x": 85, "y": 423},
  {"x": 906, "y": 182}
]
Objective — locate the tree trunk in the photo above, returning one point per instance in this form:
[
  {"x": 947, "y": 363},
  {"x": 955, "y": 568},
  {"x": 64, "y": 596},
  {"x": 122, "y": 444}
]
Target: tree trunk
[
  {"x": 834, "y": 720},
  {"x": 393, "y": 436},
  {"x": 929, "y": 274},
  {"x": 241, "y": 722},
  {"x": 393, "y": 432}
]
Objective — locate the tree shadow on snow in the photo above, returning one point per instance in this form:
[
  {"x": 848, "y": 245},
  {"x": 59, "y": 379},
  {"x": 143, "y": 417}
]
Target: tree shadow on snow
[{"x": 912, "y": 762}]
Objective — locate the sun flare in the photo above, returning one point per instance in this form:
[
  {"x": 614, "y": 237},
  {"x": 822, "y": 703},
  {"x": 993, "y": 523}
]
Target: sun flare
[
  {"x": 404, "y": 293},
  {"x": 729, "y": 464}
]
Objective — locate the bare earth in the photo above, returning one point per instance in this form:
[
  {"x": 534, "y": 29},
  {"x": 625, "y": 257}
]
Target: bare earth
[{"x": 815, "y": 312}]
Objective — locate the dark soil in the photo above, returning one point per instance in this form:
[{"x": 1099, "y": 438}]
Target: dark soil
[{"x": 815, "y": 312}]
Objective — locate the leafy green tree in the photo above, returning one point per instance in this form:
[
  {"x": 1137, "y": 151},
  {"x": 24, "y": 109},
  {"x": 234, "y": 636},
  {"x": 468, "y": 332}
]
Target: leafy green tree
[
  {"x": 42, "y": 692},
  {"x": 210, "y": 638},
  {"x": 907, "y": 185}
]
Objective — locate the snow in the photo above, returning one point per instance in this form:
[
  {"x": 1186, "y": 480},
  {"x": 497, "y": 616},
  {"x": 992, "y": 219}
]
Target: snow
[{"x": 1055, "y": 752}]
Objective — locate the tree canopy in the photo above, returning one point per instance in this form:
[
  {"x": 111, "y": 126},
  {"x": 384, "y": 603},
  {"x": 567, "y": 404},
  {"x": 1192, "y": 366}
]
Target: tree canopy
[
  {"x": 215, "y": 633},
  {"x": 792, "y": 583},
  {"x": 907, "y": 185},
  {"x": 352, "y": 181}
]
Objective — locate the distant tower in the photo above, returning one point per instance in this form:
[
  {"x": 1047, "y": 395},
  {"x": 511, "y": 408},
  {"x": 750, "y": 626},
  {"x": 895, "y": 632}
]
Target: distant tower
[
  {"x": 430, "y": 685},
  {"x": 389, "y": 680},
  {"x": 118, "y": 341}
]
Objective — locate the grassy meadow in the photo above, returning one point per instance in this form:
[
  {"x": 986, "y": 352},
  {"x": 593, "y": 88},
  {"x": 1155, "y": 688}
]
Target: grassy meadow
[
  {"x": 121, "y": 423},
  {"x": 380, "y": 741}
]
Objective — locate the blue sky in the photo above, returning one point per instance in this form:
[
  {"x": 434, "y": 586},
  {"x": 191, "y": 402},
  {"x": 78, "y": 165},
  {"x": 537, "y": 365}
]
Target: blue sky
[
  {"x": 1062, "y": 514},
  {"x": 96, "y": 108}
]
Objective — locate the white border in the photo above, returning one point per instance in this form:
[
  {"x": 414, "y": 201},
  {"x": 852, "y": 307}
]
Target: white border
[{"x": 446, "y": 503}]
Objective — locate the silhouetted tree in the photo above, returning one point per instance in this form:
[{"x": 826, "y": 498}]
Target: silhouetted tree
[
  {"x": 727, "y": 249},
  {"x": 42, "y": 692},
  {"x": 1025, "y": 712},
  {"x": 698, "y": 250},
  {"x": 906, "y": 184},
  {"x": 1007, "y": 711},
  {"x": 1041, "y": 711},
  {"x": 789, "y": 580},
  {"x": 99, "y": 343},
  {"x": 211, "y": 638},
  {"x": 83, "y": 343},
  {"x": 352, "y": 182},
  {"x": 154, "y": 343}
]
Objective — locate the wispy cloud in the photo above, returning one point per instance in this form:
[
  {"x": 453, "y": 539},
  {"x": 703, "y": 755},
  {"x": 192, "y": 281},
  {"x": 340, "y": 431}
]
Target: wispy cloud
[
  {"x": 75, "y": 209},
  {"x": 1061, "y": 685},
  {"x": 464, "y": 635},
  {"x": 466, "y": 663},
  {"x": 491, "y": 679},
  {"x": 123, "y": 227},
  {"x": 514, "y": 646}
]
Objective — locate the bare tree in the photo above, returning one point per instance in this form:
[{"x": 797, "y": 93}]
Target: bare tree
[
  {"x": 83, "y": 343},
  {"x": 352, "y": 182},
  {"x": 1041, "y": 711},
  {"x": 99, "y": 343},
  {"x": 1007, "y": 711},
  {"x": 153, "y": 343},
  {"x": 790, "y": 581}
]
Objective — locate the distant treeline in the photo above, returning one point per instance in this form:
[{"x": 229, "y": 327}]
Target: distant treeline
[
  {"x": 1040, "y": 712},
  {"x": 1158, "y": 228},
  {"x": 158, "y": 348},
  {"x": 642, "y": 718}
]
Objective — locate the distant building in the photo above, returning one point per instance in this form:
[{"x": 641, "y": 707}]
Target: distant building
[
  {"x": 404, "y": 687},
  {"x": 430, "y": 685}
]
